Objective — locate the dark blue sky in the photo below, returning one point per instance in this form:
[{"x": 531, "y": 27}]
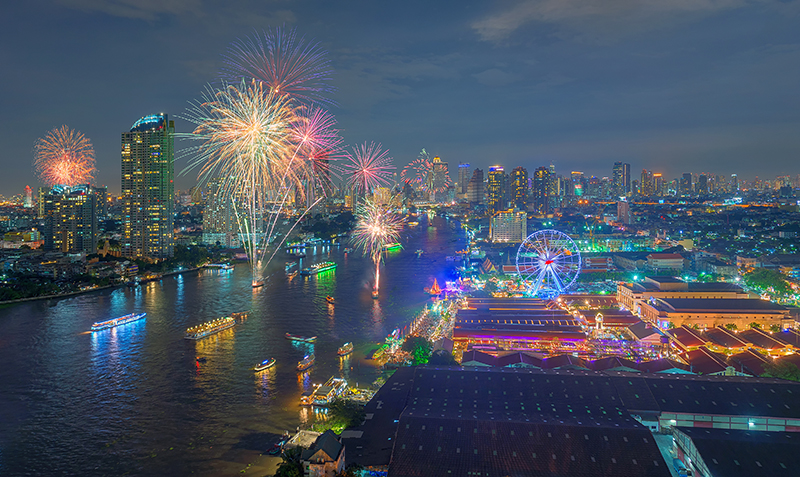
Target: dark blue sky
[{"x": 669, "y": 85}]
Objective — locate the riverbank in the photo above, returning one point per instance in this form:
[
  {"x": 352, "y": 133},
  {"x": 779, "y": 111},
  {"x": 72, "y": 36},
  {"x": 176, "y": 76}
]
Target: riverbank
[{"x": 81, "y": 292}]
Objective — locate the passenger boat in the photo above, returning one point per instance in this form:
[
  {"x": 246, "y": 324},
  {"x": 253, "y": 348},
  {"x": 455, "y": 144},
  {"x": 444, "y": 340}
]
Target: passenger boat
[
  {"x": 346, "y": 349},
  {"x": 318, "y": 267},
  {"x": 104, "y": 325},
  {"x": 302, "y": 339},
  {"x": 267, "y": 363},
  {"x": 330, "y": 299},
  {"x": 209, "y": 328},
  {"x": 392, "y": 246},
  {"x": 306, "y": 363},
  {"x": 325, "y": 393},
  {"x": 374, "y": 294},
  {"x": 348, "y": 250}
]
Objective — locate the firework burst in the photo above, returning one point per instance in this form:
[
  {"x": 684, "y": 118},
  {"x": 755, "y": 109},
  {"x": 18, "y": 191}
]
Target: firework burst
[
  {"x": 257, "y": 142},
  {"x": 376, "y": 227},
  {"x": 425, "y": 174},
  {"x": 284, "y": 63},
  {"x": 64, "y": 157},
  {"x": 368, "y": 167}
]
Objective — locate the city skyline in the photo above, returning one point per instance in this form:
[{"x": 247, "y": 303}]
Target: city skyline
[{"x": 518, "y": 84}]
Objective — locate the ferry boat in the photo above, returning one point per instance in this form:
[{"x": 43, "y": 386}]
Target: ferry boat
[
  {"x": 346, "y": 349},
  {"x": 318, "y": 267},
  {"x": 104, "y": 325},
  {"x": 209, "y": 328},
  {"x": 267, "y": 363},
  {"x": 392, "y": 246},
  {"x": 330, "y": 299},
  {"x": 306, "y": 363},
  {"x": 302, "y": 339},
  {"x": 290, "y": 265},
  {"x": 325, "y": 393}
]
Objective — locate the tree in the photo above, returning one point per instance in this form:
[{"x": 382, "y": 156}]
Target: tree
[
  {"x": 441, "y": 357},
  {"x": 420, "y": 349},
  {"x": 290, "y": 467},
  {"x": 755, "y": 325},
  {"x": 731, "y": 326},
  {"x": 782, "y": 370},
  {"x": 775, "y": 328},
  {"x": 345, "y": 413}
]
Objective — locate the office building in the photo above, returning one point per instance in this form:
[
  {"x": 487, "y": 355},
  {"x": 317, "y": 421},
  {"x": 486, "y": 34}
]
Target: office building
[
  {"x": 686, "y": 184},
  {"x": 495, "y": 189},
  {"x": 475, "y": 188},
  {"x": 70, "y": 219},
  {"x": 219, "y": 221},
  {"x": 621, "y": 176},
  {"x": 147, "y": 188},
  {"x": 702, "y": 184},
  {"x": 624, "y": 212},
  {"x": 542, "y": 191},
  {"x": 463, "y": 178},
  {"x": 519, "y": 186},
  {"x": 439, "y": 179},
  {"x": 27, "y": 200},
  {"x": 509, "y": 226}
]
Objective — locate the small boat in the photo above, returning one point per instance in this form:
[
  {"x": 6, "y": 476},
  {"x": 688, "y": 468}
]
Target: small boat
[
  {"x": 302, "y": 339},
  {"x": 305, "y": 363},
  {"x": 267, "y": 363},
  {"x": 276, "y": 448},
  {"x": 201, "y": 359},
  {"x": 300, "y": 255},
  {"x": 258, "y": 283},
  {"x": 374, "y": 294},
  {"x": 346, "y": 349},
  {"x": 348, "y": 250},
  {"x": 330, "y": 299}
]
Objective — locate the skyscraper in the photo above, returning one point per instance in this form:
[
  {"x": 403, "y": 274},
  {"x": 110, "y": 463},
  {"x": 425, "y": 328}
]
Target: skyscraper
[
  {"x": 621, "y": 175},
  {"x": 148, "y": 152},
  {"x": 686, "y": 184},
  {"x": 463, "y": 177},
  {"x": 219, "y": 221},
  {"x": 519, "y": 185},
  {"x": 438, "y": 178},
  {"x": 734, "y": 183},
  {"x": 542, "y": 184},
  {"x": 70, "y": 219},
  {"x": 702, "y": 184},
  {"x": 27, "y": 200},
  {"x": 646, "y": 187},
  {"x": 475, "y": 188},
  {"x": 494, "y": 189}
]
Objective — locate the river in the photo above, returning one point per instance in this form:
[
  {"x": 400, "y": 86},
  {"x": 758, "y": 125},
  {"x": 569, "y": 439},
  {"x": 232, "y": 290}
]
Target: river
[{"x": 134, "y": 400}]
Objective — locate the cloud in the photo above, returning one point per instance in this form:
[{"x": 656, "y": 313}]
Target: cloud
[
  {"x": 495, "y": 77},
  {"x": 136, "y": 9},
  {"x": 598, "y": 18}
]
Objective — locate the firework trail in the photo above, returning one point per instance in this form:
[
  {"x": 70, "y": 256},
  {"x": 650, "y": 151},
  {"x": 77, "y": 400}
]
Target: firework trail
[
  {"x": 284, "y": 63},
  {"x": 368, "y": 167},
  {"x": 376, "y": 227},
  {"x": 257, "y": 140},
  {"x": 64, "y": 157}
]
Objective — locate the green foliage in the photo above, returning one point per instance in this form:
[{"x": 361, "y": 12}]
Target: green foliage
[
  {"x": 775, "y": 328},
  {"x": 731, "y": 326},
  {"x": 782, "y": 370},
  {"x": 352, "y": 470},
  {"x": 442, "y": 358},
  {"x": 754, "y": 325},
  {"x": 290, "y": 467},
  {"x": 766, "y": 280},
  {"x": 341, "y": 415},
  {"x": 420, "y": 349},
  {"x": 327, "y": 229}
]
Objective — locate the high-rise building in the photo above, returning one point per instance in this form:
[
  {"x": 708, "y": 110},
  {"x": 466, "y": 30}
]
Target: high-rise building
[
  {"x": 494, "y": 189},
  {"x": 70, "y": 219},
  {"x": 475, "y": 188},
  {"x": 40, "y": 201},
  {"x": 623, "y": 212},
  {"x": 438, "y": 178},
  {"x": 463, "y": 178},
  {"x": 519, "y": 184},
  {"x": 27, "y": 200},
  {"x": 658, "y": 184},
  {"x": 509, "y": 226},
  {"x": 542, "y": 185},
  {"x": 219, "y": 222},
  {"x": 148, "y": 152},
  {"x": 646, "y": 186},
  {"x": 621, "y": 175},
  {"x": 702, "y": 184},
  {"x": 102, "y": 201},
  {"x": 686, "y": 184},
  {"x": 734, "y": 183}
]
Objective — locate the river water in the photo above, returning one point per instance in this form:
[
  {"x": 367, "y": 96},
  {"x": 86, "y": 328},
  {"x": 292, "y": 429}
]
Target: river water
[{"x": 133, "y": 400}]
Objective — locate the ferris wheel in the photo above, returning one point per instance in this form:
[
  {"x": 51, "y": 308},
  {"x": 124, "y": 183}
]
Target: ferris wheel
[{"x": 549, "y": 261}]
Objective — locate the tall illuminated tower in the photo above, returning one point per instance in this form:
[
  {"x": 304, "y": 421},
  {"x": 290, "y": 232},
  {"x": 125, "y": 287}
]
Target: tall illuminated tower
[
  {"x": 463, "y": 177},
  {"x": 494, "y": 190},
  {"x": 519, "y": 184},
  {"x": 148, "y": 153},
  {"x": 70, "y": 219}
]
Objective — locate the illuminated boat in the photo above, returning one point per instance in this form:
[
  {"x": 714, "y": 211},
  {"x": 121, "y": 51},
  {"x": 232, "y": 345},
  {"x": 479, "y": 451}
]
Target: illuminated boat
[
  {"x": 330, "y": 299},
  {"x": 104, "y": 325},
  {"x": 317, "y": 268},
  {"x": 346, "y": 349},
  {"x": 329, "y": 391},
  {"x": 434, "y": 289},
  {"x": 302, "y": 339},
  {"x": 209, "y": 328},
  {"x": 348, "y": 250},
  {"x": 392, "y": 246},
  {"x": 375, "y": 294},
  {"x": 305, "y": 363},
  {"x": 258, "y": 283},
  {"x": 267, "y": 363}
]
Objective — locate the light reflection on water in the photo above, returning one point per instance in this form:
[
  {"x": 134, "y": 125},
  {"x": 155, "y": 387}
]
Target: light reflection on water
[{"x": 134, "y": 399}]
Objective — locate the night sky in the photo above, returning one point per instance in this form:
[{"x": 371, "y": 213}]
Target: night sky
[{"x": 669, "y": 85}]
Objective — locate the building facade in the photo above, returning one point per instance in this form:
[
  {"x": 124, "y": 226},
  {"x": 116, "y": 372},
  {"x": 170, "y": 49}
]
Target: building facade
[
  {"x": 475, "y": 188},
  {"x": 148, "y": 200},
  {"x": 519, "y": 186},
  {"x": 70, "y": 218},
  {"x": 495, "y": 189},
  {"x": 509, "y": 226}
]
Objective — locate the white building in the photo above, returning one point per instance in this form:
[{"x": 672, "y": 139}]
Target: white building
[{"x": 509, "y": 226}]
